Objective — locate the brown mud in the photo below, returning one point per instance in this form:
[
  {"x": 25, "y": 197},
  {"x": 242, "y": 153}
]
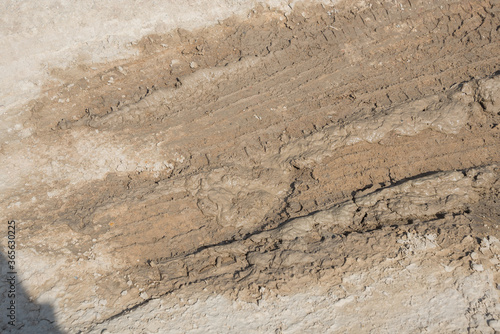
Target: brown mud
[{"x": 267, "y": 153}]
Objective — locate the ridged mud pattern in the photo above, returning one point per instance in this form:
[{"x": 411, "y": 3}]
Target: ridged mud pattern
[{"x": 264, "y": 153}]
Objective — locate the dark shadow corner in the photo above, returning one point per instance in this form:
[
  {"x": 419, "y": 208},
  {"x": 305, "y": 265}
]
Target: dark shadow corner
[{"x": 18, "y": 314}]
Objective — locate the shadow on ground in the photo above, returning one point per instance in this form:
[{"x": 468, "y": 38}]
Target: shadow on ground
[{"x": 26, "y": 317}]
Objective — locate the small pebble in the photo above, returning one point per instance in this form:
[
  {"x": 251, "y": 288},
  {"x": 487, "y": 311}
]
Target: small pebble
[
  {"x": 477, "y": 267},
  {"x": 495, "y": 324}
]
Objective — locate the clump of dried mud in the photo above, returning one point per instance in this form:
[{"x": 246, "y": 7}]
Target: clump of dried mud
[{"x": 326, "y": 169}]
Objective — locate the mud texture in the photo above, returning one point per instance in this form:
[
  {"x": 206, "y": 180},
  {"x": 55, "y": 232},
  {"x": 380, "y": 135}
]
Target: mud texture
[{"x": 319, "y": 169}]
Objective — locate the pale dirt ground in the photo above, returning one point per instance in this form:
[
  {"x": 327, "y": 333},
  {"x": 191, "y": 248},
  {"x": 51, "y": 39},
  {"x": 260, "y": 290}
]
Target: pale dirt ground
[{"x": 262, "y": 169}]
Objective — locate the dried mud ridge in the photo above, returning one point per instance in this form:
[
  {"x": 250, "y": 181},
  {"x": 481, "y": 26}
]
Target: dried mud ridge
[
  {"x": 266, "y": 155},
  {"x": 424, "y": 212}
]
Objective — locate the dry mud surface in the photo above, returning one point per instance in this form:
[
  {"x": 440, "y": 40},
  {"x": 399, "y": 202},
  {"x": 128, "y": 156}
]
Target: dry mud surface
[{"x": 307, "y": 168}]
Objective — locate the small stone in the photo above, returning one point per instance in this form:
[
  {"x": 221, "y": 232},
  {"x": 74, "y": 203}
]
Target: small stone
[
  {"x": 124, "y": 292},
  {"x": 477, "y": 267},
  {"x": 474, "y": 256},
  {"x": 193, "y": 65},
  {"x": 144, "y": 295},
  {"x": 121, "y": 70},
  {"x": 294, "y": 207},
  {"x": 467, "y": 89},
  {"x": 495, "y": 324}
]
